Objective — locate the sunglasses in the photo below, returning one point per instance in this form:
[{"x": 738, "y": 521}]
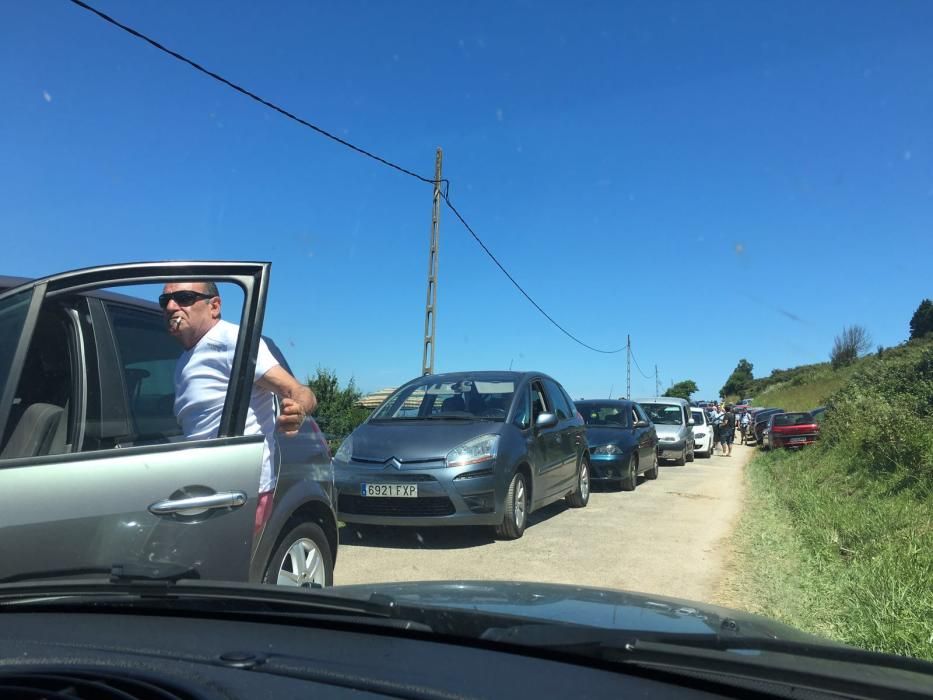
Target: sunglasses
[{"x": 182, "y": 298}]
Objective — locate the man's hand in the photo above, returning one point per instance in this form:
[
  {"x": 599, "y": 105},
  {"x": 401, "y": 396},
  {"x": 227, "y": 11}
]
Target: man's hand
[{"x": 291, "y": 417}]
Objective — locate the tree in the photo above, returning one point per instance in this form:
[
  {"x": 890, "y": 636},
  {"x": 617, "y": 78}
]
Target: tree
[
  {"x": 337, "y": 413},
  {"x": 682, "y": 390},
  {"x": 848, "y": 345},
  {"x": 739, "y": 381},
  {"x": 922, "y": 321}
]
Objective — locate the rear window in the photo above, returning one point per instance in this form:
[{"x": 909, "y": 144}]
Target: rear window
[
  {"x": 604, "y": 414},
  {"x": 786, "y": 419}
]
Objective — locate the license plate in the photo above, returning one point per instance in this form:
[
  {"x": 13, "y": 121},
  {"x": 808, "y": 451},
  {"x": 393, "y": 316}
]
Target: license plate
[
  {"x": 798, "y": 439},
  {"x": 390, "y": 490}
]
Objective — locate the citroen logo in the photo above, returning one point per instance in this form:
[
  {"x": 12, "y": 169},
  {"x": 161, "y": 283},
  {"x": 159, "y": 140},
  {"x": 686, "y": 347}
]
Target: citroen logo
[{"x": 394, "y": 463}]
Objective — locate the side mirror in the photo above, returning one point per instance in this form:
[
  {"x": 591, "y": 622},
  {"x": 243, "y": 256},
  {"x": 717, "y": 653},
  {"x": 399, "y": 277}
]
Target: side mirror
[
  {"x": 545, "y": 420},
  {"x": 641, "y": 424},
  {"x": 691, "y": 422}
]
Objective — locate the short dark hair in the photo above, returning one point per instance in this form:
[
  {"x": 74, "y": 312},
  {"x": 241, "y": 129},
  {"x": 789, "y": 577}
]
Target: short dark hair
[{"x": 210, "y": 288}]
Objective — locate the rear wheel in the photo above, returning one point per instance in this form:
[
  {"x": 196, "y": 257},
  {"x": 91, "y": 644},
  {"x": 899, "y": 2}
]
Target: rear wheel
[
  {"x": 682, "y": 460},
  {"x": 631, "y": 476},
  {"x": 691, "y": 455},
  {"x": 581, "y": 496},
  {"x": 652, "y": 473},
  {"x": 516, "y": 509}
]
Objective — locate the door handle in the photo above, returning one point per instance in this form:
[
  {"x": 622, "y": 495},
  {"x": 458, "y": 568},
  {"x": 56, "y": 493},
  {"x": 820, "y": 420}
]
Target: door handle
[{"x": 198, "y": 504}]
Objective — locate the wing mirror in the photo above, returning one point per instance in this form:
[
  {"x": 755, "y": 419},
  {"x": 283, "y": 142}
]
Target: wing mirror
[
  {"x": 691, "y": 422},
  {"x": 641, "y": 424},
  {"x": 545, "y": 420}
]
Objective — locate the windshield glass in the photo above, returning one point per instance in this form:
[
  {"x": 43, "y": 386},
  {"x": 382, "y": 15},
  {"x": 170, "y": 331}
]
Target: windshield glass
[
  {"x": 611, "y": 415},
  {"x": 309, "y": 306},
  {"x": 464, "y": 396},
  {"x": 664, "y": 414},
  {"x": 786, "y": 419}
]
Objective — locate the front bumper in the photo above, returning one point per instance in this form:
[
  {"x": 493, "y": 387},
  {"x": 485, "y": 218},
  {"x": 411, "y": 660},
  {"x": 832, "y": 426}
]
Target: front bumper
[
  {"x": 446, "y": 495},
  {"x": 608, "y": 467},
  {"x": 671, "y": 450}
]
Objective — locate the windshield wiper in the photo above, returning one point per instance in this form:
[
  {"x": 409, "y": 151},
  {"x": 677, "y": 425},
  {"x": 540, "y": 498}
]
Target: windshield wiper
[{"x": 118, "y": 573}]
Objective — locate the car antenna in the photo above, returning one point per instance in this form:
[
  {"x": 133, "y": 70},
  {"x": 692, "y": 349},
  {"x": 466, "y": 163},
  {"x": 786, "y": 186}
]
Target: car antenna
[{"x": 611, "y": 387}]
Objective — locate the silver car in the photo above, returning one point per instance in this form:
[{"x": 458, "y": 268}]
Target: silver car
[{"x": 672, "y": 420}]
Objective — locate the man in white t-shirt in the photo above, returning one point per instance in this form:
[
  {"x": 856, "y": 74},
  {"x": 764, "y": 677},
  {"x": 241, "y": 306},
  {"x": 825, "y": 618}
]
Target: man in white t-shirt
[{"x": 202, "y": 374}]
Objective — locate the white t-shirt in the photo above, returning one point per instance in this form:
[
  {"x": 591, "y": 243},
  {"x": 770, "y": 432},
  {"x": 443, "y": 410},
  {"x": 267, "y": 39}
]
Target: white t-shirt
[{"x": 202, "y": 376}]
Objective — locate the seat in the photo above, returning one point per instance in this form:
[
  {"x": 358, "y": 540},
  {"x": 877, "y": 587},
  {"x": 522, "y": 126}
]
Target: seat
[
  {"x": 453, "y": 403},
  {"x": 34, "y": 432}
]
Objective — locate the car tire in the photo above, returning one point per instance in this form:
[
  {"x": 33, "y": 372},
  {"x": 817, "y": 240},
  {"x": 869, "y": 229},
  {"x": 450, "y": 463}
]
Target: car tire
[
  {"x": 631, "y": 479},
  {"x": 581, "y": 495},
  {"x": 652, "y": 473},
  {"x": 301, "y": 559},
  {"x": 682, "y": 460},
  {"x": 691, "y": 455},
  {"x": 515, "y": 517}
]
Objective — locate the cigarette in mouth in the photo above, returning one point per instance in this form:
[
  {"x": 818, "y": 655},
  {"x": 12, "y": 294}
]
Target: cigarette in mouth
[{"x": 176, "y": 323}]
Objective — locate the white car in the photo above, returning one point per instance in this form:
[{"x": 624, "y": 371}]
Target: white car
[{"x": 702, "y": 433}]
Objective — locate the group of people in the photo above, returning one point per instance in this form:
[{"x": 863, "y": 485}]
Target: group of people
[{"x": 724, "y": 421}]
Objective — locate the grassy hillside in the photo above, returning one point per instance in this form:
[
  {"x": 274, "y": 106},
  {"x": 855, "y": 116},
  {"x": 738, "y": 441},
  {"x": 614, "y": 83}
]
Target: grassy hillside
[{"x": 837, "y": 539}]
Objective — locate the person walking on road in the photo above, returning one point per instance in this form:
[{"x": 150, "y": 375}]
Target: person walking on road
[
  {"x": 727, "y": 431},
  {"x": 715, "y": 418},
  {"x": 743, "y": 423}
]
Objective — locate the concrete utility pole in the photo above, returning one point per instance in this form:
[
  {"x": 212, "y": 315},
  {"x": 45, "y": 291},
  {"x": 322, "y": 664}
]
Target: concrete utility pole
[
  {"x": 628, "y": 366},
  {"x": 430, "y": 307},
  {"x": 657, "y": 382}
]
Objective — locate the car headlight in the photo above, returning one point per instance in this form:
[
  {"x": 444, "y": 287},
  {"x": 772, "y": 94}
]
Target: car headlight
[
  {"x": 699, "y": 435},
  {"x": 479, "y": 449},
  {"x": 345, "y": 451},
  {"x": 607, "y": 450}
]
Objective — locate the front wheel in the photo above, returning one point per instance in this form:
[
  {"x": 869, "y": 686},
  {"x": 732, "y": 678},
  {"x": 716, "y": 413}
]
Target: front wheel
[
  {"x": 302, "y": 559},
  {"x": 682, "y": 460},
  {"x": 581, "y": 496},
  {"x": 652, "y": 473},
  {"x": 691, "y": 454},
  {"x": 516, "y": 509},
  {"x": 631, "y": 475}
]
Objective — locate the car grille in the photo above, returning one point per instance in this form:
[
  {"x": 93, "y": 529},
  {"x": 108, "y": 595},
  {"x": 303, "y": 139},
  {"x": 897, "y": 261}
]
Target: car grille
[{"x": 396, "y": 507}]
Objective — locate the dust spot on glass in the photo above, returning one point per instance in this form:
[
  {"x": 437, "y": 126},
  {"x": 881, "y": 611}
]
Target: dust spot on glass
[
  {"x": 908, "y": 155},
  {"x": 498, "y": 114},
  {"x": 461, "y": 43},
  {"x": 739, "y": 248},
  {"x": 395, "y": 57},
  {"x": 481, "y": 43},
  {"x": 419, "y": 538},
  {"x": 46, "y": 96}
]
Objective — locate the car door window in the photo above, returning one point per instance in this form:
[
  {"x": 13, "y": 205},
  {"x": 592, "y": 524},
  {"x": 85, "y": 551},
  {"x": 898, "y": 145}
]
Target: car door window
[
  {"x": 522, "y": 417},
  {"x": 539, "y": 402},
  {"x": 561, "y": 408},
  {"x": 147, "y": 356}
]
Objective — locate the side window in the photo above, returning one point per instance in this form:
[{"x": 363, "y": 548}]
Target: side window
[
  {"x": 539, "y": 403},
  {"x": 522, "y": 417},
  {"x": 147, "y": 357},
  {"x": 640, "y": 412},
  {"x": 42, "y": 413},
  {"x": 560, "y": 402}
]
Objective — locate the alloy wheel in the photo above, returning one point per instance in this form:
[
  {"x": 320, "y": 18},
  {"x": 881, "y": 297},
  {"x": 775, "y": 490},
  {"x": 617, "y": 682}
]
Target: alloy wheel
[{"x": 302, "y": 565}]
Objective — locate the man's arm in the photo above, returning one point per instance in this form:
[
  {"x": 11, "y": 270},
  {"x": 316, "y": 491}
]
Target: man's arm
[{"x": 297, "y": 400}]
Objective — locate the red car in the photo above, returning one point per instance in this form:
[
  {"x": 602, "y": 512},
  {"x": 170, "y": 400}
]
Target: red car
[{"x": 791, "y": 430}]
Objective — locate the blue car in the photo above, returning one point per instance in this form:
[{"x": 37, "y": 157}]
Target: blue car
[{"x": 622, "y": 441}]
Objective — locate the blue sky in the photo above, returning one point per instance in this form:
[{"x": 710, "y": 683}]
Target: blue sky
[{"x": 718, "y": 179}]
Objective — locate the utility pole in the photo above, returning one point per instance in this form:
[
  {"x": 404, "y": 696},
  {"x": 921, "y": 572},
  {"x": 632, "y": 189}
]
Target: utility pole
[
  {"x": 430, "y": 307},
  {"x": 657, "y": 382},
  {"x": 628, "y": 366}
]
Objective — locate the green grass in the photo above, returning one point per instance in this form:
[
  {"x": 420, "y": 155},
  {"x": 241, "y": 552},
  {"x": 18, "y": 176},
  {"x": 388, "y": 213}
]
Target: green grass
[
  {"x": 803, "y": 397},
  {"x": 837, "y": 554}
]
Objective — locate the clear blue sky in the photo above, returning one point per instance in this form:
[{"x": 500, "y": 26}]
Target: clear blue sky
[{"x": 636, "y": 165}]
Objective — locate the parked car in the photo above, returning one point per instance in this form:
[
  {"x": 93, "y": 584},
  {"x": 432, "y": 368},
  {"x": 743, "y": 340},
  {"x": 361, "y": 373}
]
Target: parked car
[
  {"x": 761, "y": 423},
  {"x": 674, "y": 425},
  {"x": 94, "y": 470},
  {"x": 465, "y": 448},
  {"x": 791, "y": 430},
  {"x": 818, "y": 413},
  {"x": 702, "y": 432},
  {"x": 622, "y": 441}
]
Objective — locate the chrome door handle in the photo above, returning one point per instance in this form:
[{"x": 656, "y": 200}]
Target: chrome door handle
[{"x": 196, "y": 504}]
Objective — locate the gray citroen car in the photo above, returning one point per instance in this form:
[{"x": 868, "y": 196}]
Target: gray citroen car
[{"x": 466, "y": 448}]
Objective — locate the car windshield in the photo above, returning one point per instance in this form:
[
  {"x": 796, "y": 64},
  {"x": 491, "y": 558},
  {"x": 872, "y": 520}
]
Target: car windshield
[
  {"x": 464, "y": 396},
  {"x": 664, "y": 414},
  {"x": 790, "y": 419},
  {"x": 611, "y": 415},
  {"x": 290, "y": 296}
]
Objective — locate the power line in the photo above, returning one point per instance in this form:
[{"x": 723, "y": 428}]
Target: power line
[
  {"x": 362, "y": 151},
  {"x": 639, "y": 368}
]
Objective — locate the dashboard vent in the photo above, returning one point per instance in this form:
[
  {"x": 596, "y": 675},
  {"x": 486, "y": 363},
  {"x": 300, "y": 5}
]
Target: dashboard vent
[{"x": 85, "y": 685}]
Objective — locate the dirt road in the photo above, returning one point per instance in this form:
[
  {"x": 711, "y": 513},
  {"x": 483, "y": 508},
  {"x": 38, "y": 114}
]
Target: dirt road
[{"x": 668, "y": 537}]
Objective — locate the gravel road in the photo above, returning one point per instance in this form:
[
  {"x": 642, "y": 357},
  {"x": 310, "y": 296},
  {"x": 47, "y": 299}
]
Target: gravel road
[{"x": 668, "y": 537}]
